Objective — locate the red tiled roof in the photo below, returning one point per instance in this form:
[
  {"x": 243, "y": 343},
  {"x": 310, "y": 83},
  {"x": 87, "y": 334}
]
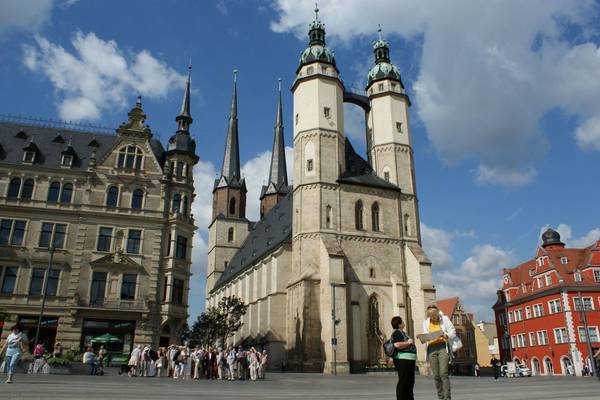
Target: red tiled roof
[{"x": 447, "y": 306}]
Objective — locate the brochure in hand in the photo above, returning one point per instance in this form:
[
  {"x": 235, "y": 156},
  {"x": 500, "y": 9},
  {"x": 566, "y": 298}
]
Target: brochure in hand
[{"x": 427, "y": 337}]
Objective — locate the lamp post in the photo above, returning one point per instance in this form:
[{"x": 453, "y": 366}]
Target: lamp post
[
  {"x": 44, "y": 286},
  {"x": 587, "y": 335}
]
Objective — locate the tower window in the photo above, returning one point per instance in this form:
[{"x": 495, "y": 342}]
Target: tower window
[
  {"x": 407, "y": 224},
  {"x": 380, "y": 87},
  {"x": 371, "y": 272},
  {"x": 232, "y": 206},
  {"x": 324, "y": 69},
  {"x": 184, "y": 205},
  {"x": 358, "y": 215},
  {"x": 327, "y": 112},
  {"x": 386, "y": 175},
  {"x": 176, "y": 203},
  {"x": 310, "y": 70},
  {"x": 179, "y": 170},
  {"x": 230, "y": 235},
  {"x": 296, "y": 119},
  {"x": 399, "y": 126},
  {"x": 328, "y": 216},
  {"x": 309, "y": 165},
  {"x": 393, "y": 86},
  {"x": 375, "y": 216}
]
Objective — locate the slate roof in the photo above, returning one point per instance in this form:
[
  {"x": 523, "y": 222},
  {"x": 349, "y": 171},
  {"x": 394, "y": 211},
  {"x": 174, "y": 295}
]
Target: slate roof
[
  {"x": 52, "y": 142},
  {"x": 359, "y": 172},
  {"x": 265, "y": 236}
]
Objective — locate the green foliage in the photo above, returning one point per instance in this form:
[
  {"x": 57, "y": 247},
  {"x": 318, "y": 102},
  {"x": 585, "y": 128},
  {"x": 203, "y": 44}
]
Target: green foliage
[
  {"x": 72, "y": 355},
  {"x": 218, "y": 322},
  {"x": 58, "y": 361},
  {"x": 26, "y": 357},
  {"x": 184, "y": 333}
]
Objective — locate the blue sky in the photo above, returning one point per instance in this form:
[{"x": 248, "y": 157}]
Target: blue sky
[{"x": 505, "y": 116}]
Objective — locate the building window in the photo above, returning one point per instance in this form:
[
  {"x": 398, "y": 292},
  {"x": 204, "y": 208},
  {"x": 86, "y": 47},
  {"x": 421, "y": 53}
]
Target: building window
[
  {"x": 27, "y": 191},
  {"x": 104, "y": 239},
  {"x": 176, "y": 203},
  {"x": 513, "y": 341},
  {"x": 380, "y": 87},
  {"x": 597, "y": 275},
  {"x": 521, "y": 340},
  {"x": 531, "y": 339},
  {"x": 371, "y": 272},
  {"x": 130, "y": 157},
  {"x": 518, "y": 315},
  {"x": 66, "y": 193},
  {"x": 177, "y": 293},
  {"x": 37, "y": 282},
  {"x": 49, "y": 230},
  {"x": 134, "y": 240},
  {"x": 29, "y": 157},
  {"x": 542, "y": 338},
  {"x": 588, "y": 304},
  {"x": 375, "y": 216},
  {"x": 564, "y": 260},
  {"x": 230, "y": 235},
  {"x": 554, "y": 306},
  {"x": 53, "y": 192},
  {"x": 386, "y": 175},
  {"x": 179, "y": 169},
  {"x": 66, "y": 160},
  {"x": 407, "y": 224},
  {"x": 399, "y": 126},
  {"x": 373, "y": 316},
  {"x": 137, "y": 199},
  {"x": 577, "y": 276},
  {"x": 14, "y": 188},
  {"x": 548, "y": 279},
  {"x": 538, "y": 310},
  {"x": 593, "y": 331},
  {"x": 309, "y": 70},
  {"x": 112, "y": 197},
  {"x": 328, "y": 213},
  {"x": 539, "y": 282},
  {"x": 181, "y": 247},
  {"x": 128, "y": 286},
  {"x": 527, "y": 312},
  {"x": 98, "y": 288},
  {"x": 358, "y": 215},
  {"x": 309, "y": 165},
  {"x": 232, "y": 206},
  {"x": 184, "y": 206},
  {"x": 327, "y": 112},
  {"x": 9, "y": 278},
  {"x": 12, "y": 232},
  {"x": 560, "y": 335},
  {"x": 296, "y": 119}
]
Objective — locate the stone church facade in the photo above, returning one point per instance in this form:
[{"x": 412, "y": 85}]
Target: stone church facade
[
  {"x": 337, "y": 254},
  {"x": 110, "y": 214}
]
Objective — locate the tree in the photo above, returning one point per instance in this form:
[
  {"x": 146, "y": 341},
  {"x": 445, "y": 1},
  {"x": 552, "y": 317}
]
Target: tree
[
  {"x": 205, "y": 329},
  {"x": 231, "y": 310},
  {"x": 184, "y": 333}
]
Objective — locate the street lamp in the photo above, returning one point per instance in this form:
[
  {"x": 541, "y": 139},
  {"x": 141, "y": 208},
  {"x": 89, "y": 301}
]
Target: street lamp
[
  {"x": 44, "y": 286},
  {"x": 587, "y": 335}
]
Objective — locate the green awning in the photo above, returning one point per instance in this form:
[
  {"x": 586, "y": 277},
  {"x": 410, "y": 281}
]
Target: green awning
[{"x": 106, "y": 338}]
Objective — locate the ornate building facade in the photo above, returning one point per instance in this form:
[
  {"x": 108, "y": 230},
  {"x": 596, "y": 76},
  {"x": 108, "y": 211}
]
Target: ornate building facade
[
  {"x": 334, "y": 257},
  {"x": 109, "y": 215}
]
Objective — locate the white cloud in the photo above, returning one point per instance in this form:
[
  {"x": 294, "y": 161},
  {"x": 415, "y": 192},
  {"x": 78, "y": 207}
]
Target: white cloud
[
  {"x": 566, "y": 236},
  {"x": 489, "y": 71},
  {"x": 437, "y": 244},
  {"x": 98, "y": 76},
  {"x": 24, "y": 15},
  {"x": 587, "y": 134}
]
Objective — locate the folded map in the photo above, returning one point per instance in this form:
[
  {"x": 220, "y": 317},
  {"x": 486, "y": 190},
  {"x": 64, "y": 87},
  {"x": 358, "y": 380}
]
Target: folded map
[{"x": 427, "y": 337}]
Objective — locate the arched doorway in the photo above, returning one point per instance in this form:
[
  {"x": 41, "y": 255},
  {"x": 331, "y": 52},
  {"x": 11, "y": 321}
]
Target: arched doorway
[
  {"x": 373, "y": 331},
  {"x": 567, "y": 366},
  {"x": 535, "y": 367},
  {"x": 548, "y": 367}
]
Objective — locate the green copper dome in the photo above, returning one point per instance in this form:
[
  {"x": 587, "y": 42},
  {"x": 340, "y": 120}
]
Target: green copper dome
[
  {"x": 383, "y": 70},
  {"x": 317, "y": 53}
]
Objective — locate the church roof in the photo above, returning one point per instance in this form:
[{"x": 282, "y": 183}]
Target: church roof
[
  {"x": 265, "y": 236},
  {"x": 359, "y": 171}
]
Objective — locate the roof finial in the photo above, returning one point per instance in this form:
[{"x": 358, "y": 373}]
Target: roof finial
[
  {"x": 138, "y": 103},
  {"x": 279, "y": 84},
  {"x": 379, "y": 31},
  {"x": 316, "y": 11},
  {"x": 235, "y": 71}
]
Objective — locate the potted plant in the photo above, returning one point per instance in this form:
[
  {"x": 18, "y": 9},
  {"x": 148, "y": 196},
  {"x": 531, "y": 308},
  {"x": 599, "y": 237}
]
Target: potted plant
[{"x": 57, "y": 366}]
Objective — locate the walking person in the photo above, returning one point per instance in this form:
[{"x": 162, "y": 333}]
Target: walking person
[
  {"x": 438, "y": 354},
  {"x": 14, "y": 346},
  {"x": 101, "y": 355},
  {"x": 495, "y": 363},
  {"x": 89, "y": 359},
  {"x": 405, "y": 358},
  {"x": 264, "y": 359},
  {"x": 134, "y": 360}
]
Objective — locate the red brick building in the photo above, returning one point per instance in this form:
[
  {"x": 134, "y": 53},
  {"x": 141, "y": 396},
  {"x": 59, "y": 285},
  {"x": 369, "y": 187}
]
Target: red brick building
[
  {"x": 539, "y": 316},
  {"x": 465, "y": 358}
]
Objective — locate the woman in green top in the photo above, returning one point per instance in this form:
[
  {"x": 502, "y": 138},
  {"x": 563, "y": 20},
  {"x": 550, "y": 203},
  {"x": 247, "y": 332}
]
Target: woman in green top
[{"x": 404, "y": 360}]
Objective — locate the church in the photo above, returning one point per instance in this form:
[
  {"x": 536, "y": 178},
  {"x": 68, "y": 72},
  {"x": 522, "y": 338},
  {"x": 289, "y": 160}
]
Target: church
[{"x": 338, "y": 253}]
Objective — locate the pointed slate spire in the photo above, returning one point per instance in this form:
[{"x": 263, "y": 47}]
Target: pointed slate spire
[
  {"x": 231, "y": 159},
  {"x": 184, "y": 119},
  {"x": 278, "y": 170}
]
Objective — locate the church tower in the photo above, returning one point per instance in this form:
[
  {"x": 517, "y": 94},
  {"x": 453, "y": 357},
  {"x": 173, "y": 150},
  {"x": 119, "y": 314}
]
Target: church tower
[
  {"x": 390, "y": 135},
  {"x": 319, "y": 159},
  {"x": 229, "y": 227},
  {"x": 277, "y": 186}
]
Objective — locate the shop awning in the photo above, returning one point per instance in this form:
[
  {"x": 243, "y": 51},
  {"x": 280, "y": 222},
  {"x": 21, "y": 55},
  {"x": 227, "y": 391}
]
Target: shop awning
[{"x": 106, "y": 338}]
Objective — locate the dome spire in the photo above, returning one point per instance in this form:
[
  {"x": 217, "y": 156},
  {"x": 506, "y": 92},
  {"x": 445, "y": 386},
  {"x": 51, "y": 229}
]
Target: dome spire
[
  {"x": 184, "y": 119},
  {"x": 383, "y": 69}
]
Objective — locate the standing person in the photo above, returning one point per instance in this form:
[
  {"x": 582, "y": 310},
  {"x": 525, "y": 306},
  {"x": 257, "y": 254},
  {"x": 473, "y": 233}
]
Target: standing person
[
  {"x": 88, "y": 359},
  {"x": 176, "y": 357},
  {"x": 171, "y": 360},
  {"x": 437, "y": 349},
  {"x": 231, "y": 364},
  {"x": 187, "y": 363},
  {"x": 264, "y": 359},
  {"x": 220, "y": 363},
  {"x": 57, "y": 350},
  {"x": 38, "y": 358},
  {"x": 101, "y": 355},
  {"x": 14, "y": 346},
  {"x": 160, "y": 362},
  {"x": 253, "y": 356},
  {"x": 134, "y": 360},
  {"x": 405, "y": 358},
  {"x": 495, "y": 363}
]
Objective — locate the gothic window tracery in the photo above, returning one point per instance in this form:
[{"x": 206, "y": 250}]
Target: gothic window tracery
[
  {"x": 375, "y": 216},
  {"x": 358, "y": 215},
  {"x": 373, "y": 327}
]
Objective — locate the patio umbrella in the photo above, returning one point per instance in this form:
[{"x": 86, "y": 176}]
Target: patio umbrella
[{"x": 106, "y": 338}]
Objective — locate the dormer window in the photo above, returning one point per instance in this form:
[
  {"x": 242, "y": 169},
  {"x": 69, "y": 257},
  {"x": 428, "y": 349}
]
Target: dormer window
[
  {"x": 66, "y": 161},
  {"x": 130, "y": 157},
  {"x": 29, "y": 157},
  {"x": 577, "y": 276},
  {"x": 564, "y": 260}
]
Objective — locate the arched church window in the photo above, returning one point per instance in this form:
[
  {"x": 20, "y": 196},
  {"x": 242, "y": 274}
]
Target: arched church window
[
  {"x": 230, "y": 233},
  {"x": 14, "y": 188},
  {"x": 373, "y": 328},
  {"x": 407, "y": 224},
  {"x": 375, "y": 216},
  {"x": 112, "y": 197},
  {"x": 328, "y": 213},
  {"x": 176, "y": 203},
  {"x": 232, "y": 206},
  {"x": 53, "y": 192},
  {"x": 130, "y": 157},
  {"x": 358, "y": 215}
]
